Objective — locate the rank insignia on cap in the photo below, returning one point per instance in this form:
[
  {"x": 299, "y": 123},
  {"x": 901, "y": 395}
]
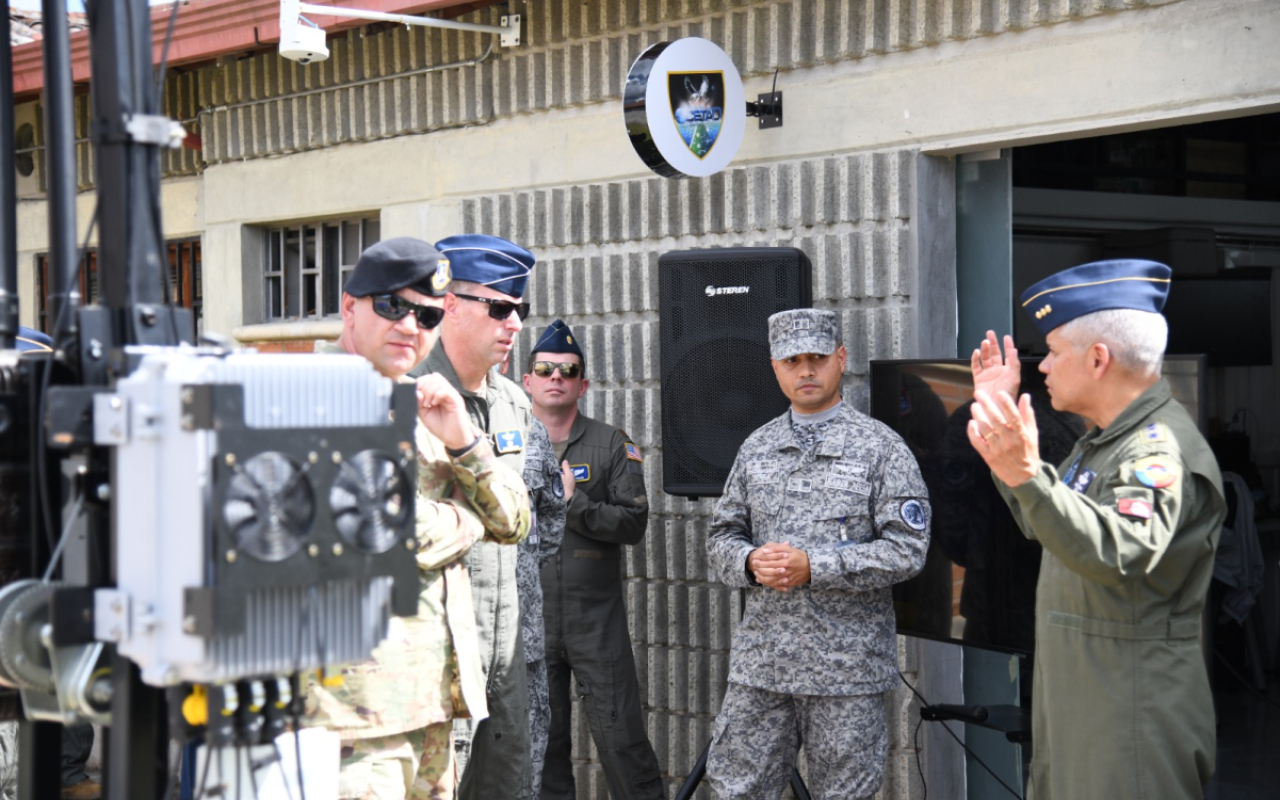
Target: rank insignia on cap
[
  {"x": 1130, "y": 507},
  {"x": 581, "y": 472},
  {"x": 1044, "y": 312},
  {"x": 633, "y": 453},
  {"x": 569, "y": 339},
  {"x": 440, "y": 280},
  {"x": 505, "y": 442},
  {"x": 800, "y": 324},
  {"x": 1156, "y": 472}
]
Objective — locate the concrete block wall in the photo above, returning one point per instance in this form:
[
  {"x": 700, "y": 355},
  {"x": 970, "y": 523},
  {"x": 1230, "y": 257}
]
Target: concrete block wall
[
  {"x": 388, "y": 83},
  {"x": 598, "y": 247}
]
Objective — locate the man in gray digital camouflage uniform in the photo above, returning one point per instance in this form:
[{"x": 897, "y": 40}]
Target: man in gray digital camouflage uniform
[
  {"x": 823, "y": 511},
  {"x": 546, "y": 499}
]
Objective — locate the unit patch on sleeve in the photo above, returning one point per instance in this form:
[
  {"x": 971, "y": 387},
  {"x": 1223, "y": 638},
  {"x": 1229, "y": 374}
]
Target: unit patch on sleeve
[
  {"x": 912, "y": 513},
  {"x": 633, "y": 453},
  {"x": 505, "y": 442},
  {"x": 1132, "y": 507},
  {"x": 1158, "y": 472},
  {"x": 581, "y": 472}
]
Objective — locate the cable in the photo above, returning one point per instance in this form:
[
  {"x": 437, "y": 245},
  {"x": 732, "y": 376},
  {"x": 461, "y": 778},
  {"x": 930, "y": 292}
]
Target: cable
[
  {"x": 253, "y": 779},
  {"x": 164, "y": 51},
  {"x": 972, "y": 755},
  {"x": 204, "y": 773},
  {"x": 915, "y": 742},
  {"x": 62, "y": 540},
  {"x": 280, "y": 760},
  {"x": 177, "y": 769}
]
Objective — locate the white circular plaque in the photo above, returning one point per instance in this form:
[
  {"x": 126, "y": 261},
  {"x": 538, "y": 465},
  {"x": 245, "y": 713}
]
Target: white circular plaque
[{"x": 684, "y": 108}]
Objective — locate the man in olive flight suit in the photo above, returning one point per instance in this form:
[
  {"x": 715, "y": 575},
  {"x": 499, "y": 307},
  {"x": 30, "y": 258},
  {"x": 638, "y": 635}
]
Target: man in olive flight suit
[
  {"x": 394, "y": 711},
  {"x": 586, "y": 617},
  {"x": 483, "y": 314},
  {"x": 1121, "y": 704}
]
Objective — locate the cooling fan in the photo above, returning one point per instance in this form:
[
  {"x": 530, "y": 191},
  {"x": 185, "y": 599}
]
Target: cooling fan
[
  {"x": 370, "y": 501},
  {"x": 269, "y": 507}
]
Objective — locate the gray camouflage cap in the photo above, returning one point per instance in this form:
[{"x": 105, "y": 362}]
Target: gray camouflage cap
[{"x": 802, "y": 330}]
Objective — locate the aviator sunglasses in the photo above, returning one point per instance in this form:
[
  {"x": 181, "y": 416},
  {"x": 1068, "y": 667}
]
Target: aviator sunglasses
[
  {"x": 543, "y": 369},
  {"x": 395, "y": 308},
  {"x": 499, "y": 309}
]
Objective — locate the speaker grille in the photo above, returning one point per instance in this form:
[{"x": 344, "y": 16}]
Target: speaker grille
[{"x": 717, "y": 384}]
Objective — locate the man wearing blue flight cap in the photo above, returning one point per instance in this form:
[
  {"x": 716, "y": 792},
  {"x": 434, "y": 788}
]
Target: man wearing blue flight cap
[
  {"x": 484, "y": 311},
  {"x": 1129, "y": 522}
]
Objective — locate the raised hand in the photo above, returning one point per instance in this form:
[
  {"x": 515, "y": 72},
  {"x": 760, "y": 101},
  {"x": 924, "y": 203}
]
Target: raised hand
[
  {"x": 992, "y": 373},
  {"x": 442, "y": 410}
]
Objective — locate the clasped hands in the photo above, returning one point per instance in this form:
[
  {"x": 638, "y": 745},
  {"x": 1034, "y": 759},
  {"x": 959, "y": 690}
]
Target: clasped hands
[
  {"x": 1003, "y": 431},
  {"x": 779, "y": 566}
]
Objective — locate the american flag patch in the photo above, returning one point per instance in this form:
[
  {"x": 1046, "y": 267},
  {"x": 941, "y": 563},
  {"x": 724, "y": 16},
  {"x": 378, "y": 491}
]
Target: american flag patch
[{"x": 633, "y": 453}]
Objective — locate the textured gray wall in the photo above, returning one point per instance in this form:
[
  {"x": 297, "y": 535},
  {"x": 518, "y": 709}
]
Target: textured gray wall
[{"x": 598, "y": 247}]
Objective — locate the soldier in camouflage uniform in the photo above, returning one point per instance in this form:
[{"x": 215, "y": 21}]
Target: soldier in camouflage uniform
[
  {"x": 1129, "y": 522},
  {"x": 394, "y": 712},
  {"x": 483, "y": 315},
  {"x": 823, "y": 511},
  {"x": 546, "y": 499}
]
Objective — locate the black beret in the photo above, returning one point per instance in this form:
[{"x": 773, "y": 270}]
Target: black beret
[{"x": 397, "y": 263}]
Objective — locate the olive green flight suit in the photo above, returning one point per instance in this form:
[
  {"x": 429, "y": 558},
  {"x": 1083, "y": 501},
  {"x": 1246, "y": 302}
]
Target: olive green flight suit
[{"x": 1121, "y": 705}]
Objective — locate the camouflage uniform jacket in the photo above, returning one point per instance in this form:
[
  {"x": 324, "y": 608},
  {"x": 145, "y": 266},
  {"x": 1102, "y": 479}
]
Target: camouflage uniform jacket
[
  {"x": 546, "y": 497},
  {"x": 857, "y": 505},
  {"x": 429, "y": 669},
  {"x": 502, "y": 411}
]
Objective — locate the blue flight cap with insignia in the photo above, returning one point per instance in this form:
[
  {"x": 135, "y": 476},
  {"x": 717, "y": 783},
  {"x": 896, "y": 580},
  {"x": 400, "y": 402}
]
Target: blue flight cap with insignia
[
  {"x": 557, "y": 338},
  {"x": 392, "y": 265},
  {"x": 489, "y": 261},
  {"x": 1097, "y": 286},
  {"x": 31, "y": 339}
]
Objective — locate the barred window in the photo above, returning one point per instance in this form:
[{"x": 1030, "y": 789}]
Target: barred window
[
  {"x": 186, "y": 286},
  {"x": 307, "y": 264}
]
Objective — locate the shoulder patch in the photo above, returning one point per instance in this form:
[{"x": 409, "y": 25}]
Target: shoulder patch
[
  {"x": 581, "y": 472},
  {"x": 633, "y": 453},
  {"x": 1158, "y": 472},
  {"x": 912, "y": 513},
  {"x": 505, "y": 442},
  {"x": 1132, "y": 507},
  {"x": 1155, "y": 432}
]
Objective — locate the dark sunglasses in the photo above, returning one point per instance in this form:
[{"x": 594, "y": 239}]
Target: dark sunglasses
[
  {"x": 543, "y": 369},
  {"x": 499, "y": 309},
  {"x": 395, "y": 308}
]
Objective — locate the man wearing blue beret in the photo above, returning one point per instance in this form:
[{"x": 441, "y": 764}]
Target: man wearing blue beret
[
  {"x": 585, "y": 612},
  {"x": 1129, "y": 522},
  {"x": 483, "y": 315}
]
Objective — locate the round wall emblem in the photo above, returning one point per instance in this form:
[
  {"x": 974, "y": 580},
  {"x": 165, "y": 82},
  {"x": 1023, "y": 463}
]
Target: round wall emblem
[{"x": 684, "y": 108}]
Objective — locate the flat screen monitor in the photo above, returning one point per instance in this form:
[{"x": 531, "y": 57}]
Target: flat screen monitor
[{"x": 978, "y": 585}]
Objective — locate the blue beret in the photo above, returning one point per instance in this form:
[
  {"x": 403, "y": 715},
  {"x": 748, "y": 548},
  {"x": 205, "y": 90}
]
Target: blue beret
[
  {"x": 557, "y": 338},
  {"x": 30, "y": 339},
  {"x": 1097, "y": 286},
  {"x": 488, "y": 261},
  {"x": 394, "y": 264}
]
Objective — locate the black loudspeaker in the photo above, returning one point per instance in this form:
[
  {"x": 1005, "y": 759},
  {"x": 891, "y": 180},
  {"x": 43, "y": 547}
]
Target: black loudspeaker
[{"x": 717, "y": 384}]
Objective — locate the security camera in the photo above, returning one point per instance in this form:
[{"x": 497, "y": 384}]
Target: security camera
[
  {"x": 299, "y": 42},
  {"x": 303, "y": 44}
]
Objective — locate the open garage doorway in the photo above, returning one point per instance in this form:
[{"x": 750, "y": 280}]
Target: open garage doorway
[{"x": 1205, "y": 199}]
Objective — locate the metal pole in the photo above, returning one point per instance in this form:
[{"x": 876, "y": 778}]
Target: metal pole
[
  {"x": 8, "y": 202},
  {"x": 60, "y": 167}
]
